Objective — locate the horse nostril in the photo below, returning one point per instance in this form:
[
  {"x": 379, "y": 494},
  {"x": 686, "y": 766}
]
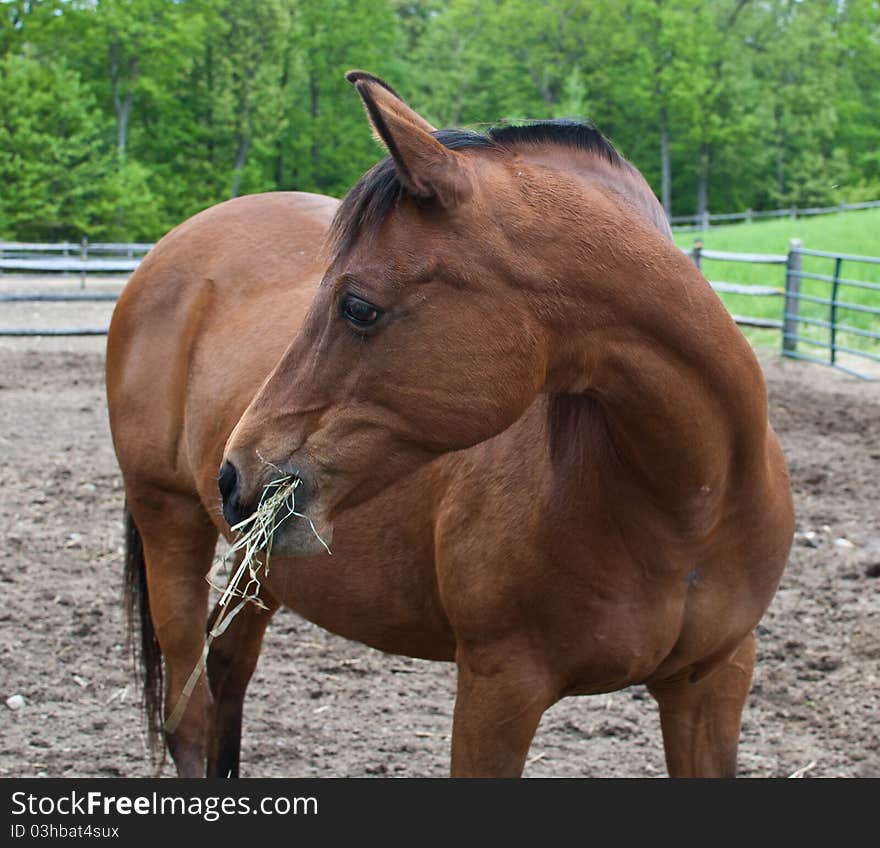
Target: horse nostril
[
  {"x": 230, "y": 491},
  {"x": 227, "y": 481}
]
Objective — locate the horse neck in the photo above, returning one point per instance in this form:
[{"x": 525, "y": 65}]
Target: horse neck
[
  {"x": 593, "y": 171},
  {"x": 643, "y": 351}
]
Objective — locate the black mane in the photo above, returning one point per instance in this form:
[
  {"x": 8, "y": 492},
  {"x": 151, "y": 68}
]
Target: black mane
[
  {"x": 377, "y": 192},
  {"x": 562, "y": 131}
]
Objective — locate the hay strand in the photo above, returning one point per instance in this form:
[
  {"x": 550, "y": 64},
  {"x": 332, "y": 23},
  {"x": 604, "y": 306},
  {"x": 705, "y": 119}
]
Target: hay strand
[{"x": 253, "y": 539}]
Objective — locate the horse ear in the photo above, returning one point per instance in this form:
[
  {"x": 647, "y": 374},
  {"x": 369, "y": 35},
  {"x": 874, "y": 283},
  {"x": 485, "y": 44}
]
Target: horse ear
[{"x": 426, "y": 167}]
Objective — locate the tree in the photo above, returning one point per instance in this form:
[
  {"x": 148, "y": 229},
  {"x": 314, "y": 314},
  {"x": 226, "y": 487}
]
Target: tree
[
  {"x": 249, "y": 39},
  {"x": 164, "y": 107},
  {"x": 58, "y": 175},
  {"x": 796, "y": 65},
  {"x": 130, "y": 50},
  {"x": 326, "y": 133},
  {"x": 857, "y": 28}
]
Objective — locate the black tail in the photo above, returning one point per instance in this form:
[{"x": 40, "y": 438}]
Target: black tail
[{"x": 144, "y": 647}]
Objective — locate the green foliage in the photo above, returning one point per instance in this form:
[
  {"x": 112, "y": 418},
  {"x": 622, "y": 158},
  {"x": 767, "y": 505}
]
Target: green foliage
[
  {"x": 119, "y": 118},
  {"x": 331, "y": 145},
  {"x": 53, "y": 159}
]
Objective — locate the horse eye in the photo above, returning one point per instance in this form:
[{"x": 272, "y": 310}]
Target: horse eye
[{"x": 359, "y": 312}]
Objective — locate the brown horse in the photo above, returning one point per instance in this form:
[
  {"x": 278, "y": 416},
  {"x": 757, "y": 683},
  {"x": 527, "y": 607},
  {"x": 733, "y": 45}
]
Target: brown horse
[{"x": 538, "y": 440}]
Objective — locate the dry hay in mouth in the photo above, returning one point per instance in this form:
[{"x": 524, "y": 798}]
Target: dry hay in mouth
[{"x": 253, "y": 537}]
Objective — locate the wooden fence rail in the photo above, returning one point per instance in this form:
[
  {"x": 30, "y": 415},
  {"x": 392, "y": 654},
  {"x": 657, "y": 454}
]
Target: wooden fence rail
[
  {"x": 82, "y": 259},
  {"x": 704, "y": 221},
  {"x": 75, "y": 247},
  {"x": 67, "y": 257}
]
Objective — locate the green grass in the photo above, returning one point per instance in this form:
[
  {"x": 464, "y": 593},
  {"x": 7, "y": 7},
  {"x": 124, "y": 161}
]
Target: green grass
[
  {"x": 841, "y": 232},
  {"x": 845, "y": 232}
]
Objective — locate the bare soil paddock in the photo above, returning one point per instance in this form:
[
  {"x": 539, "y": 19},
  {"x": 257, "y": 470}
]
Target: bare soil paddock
[{"x": 321, "y": 706}]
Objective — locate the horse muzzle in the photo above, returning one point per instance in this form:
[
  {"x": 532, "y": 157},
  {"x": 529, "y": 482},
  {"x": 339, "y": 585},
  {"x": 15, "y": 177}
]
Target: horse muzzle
[{"x": 289, "y": 500}]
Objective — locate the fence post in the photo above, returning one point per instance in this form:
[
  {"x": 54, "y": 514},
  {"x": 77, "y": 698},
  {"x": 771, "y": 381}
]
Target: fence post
[
  {"x": 698, "y": 253},
  {"x": 833, "y": 317},
  {"x": 704, "y": 220},
  {"x": 84, "y": 255},
  {"x": 790, "y": 318},
  {"x": 749, "y": 215}
]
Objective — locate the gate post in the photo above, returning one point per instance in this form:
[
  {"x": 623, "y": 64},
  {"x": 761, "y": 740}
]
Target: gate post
[
  {"x": 697, "y": 253},
  {"x": 84, "y": 255},
  {"x": 790, "y": 317},
  {"x": 833, "y": 317}
]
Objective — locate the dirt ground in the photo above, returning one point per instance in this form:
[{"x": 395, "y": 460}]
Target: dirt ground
[{"x": 322, "y": 706}]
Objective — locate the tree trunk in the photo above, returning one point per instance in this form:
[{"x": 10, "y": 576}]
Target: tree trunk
[
  {"x": 209, "y": 104},
  {"x": 241, "y": 153},
  {"x": 121, "y": 104},
  {"x": 665, "y": 166},
  {"x": 780, "y": 164},
  {"x": 245, "y": 131},
  {"x": 123, "y": 111},
  {"x": 282, "y": 141},
  {"x": 314, "y": 110},
  {"x": 703, "y": 181}
]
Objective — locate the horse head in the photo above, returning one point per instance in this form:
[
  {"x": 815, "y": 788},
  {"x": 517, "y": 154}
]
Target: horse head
[{"x": 417, "y": 342}]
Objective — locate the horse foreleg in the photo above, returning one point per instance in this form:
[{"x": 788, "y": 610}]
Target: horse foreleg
[
  {"x": 179, "y": 541},
  {"x": 701, "y": 720},
  {"x": 231, "y": 662},
  {"x": 497, "y": 710}
]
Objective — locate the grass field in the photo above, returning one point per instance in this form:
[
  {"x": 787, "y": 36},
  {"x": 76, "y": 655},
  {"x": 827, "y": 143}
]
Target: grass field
[{"x": 843, "y": 232}]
